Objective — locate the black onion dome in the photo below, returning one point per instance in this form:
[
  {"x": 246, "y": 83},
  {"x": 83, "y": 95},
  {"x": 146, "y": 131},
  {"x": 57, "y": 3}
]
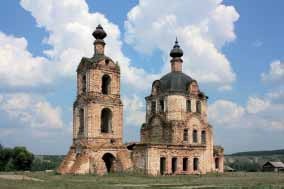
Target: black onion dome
[
  {"x": 99, "y": 33},
  {"x": 175, "y": 82},
  {"x": 176, "y": 51}
]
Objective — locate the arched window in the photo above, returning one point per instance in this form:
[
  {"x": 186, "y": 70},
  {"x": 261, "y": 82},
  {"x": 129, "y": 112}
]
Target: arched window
[
  {"x": 195, "y": 164},
  {"x": 185, "y": 135},
  {"x": 194, "y": 136},
  {"x": 188, "y": 105},
  {"x": 162, "y": 107},
  {"x": 84, "y": 83},
  {"x": 198, "y": 107},
  {"x": 106, "y": 84},
  {"x": 216, "y": 163},
  {"x": 174, "y": 165},
  {"x": 153, "y": 106},
  {"x": 203, "y": 137},
  {"x": 162, "y": 165},
  {"x": 106, "y": 120},
  {"x": 81, "y": 122},
  {"x": 185, "y": 164}
]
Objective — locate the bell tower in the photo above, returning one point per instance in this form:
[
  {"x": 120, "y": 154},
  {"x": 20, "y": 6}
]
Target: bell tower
[{"x": 97, "y": 111}]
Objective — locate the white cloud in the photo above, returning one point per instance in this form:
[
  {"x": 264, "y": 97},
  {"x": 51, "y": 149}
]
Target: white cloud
[
  {"x": 134, "y": 110},
  {"x": 275, "y": 73},
  {"x": 31, "y": 110},
  {"x": 18, "y": 66},
  {"x": 70, "y": 37},
  {"x": 225, "y": 112},
  {"x": 256, "y": 104},
  {"x": 203, "y": 27}
]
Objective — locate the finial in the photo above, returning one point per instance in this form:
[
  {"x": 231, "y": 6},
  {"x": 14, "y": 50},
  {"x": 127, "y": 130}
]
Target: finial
[
  {"x": 176, "y": 51},
  {"x": 99, "y": 33}
]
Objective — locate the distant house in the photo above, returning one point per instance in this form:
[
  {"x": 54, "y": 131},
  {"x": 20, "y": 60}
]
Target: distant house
[
  {"x": 275, "y": 166},
  {"x": 229, "y": 169}
]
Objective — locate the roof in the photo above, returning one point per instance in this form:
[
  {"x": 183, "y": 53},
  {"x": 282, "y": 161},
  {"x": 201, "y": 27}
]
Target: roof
[
  {"x": 175, "y": 82},
  {"x": 277, "y": 164}
]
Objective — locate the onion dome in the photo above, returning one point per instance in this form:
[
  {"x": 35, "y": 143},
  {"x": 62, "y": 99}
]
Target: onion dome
[
  {"x": 176, "y": 51},
  {"x": 99, "y": 33},
  {"x": 175, "y": 82}
]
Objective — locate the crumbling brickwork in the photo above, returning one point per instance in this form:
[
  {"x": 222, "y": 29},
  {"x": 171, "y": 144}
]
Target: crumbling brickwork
[{"x": 175, "y": 139}]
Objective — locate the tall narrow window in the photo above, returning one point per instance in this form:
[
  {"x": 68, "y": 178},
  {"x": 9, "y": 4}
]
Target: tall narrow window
[
  {"x": 81, "y": 122},
  {"x": 162, "y": 165},
  {"x": 203, "y": 137},
  {"x": 188, "y": 105},
  {"x": 195, "y": 164},
  {"x": 194, "y": 136},
  {"x": 84, "y": 84},
  {"x": 162, "y": 108},
  {"x": 153, "y": 106},
  {"x": 174, "y": 165},
  {"x": 185, "y": 164},
  {"x": 198, "y": 107},
  {"x": 216, "y": 163},
  {"x": 185, "y": 135},
  {"x": 106, "y": 121},
  {"x": 106, "y": 84}
]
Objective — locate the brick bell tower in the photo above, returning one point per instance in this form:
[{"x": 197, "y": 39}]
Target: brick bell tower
[{"x": 97, "y": 116}]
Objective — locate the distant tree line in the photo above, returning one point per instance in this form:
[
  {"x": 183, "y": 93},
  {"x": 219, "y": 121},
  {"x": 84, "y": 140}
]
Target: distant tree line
[
  {"x": 260, "y": 153},
  {"x": 14, "y": 159}
]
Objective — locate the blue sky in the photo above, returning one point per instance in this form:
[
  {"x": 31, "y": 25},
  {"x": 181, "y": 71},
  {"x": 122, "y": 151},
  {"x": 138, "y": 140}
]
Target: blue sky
[{"x": 233, "y": 48}]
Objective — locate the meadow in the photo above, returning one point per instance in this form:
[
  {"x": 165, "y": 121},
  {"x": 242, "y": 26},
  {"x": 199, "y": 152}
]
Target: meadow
[{"x": 42, "y": 180}]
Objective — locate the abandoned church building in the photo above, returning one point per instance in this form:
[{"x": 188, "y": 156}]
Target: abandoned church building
[{"x": 176, "y": 137}]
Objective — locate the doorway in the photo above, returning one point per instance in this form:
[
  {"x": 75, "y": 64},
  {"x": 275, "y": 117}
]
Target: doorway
[{"x": 109, "y": 160}]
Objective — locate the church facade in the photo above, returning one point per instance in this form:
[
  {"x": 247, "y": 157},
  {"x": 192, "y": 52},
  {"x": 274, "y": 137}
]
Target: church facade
[{"x": 175, "y": 139}]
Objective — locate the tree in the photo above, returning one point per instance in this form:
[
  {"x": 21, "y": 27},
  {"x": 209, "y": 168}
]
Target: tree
[{"x": 22, "y": 158}]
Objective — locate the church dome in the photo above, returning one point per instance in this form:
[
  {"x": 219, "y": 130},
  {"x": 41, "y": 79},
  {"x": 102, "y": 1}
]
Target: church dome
[{"x": 175, "y": 82}]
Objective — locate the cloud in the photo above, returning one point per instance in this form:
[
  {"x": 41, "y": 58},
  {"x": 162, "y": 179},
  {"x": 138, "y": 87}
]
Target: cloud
[
  {"x": 225, "y": 112},
  {"x": 70, "y": 37},
  {"x": 31, "y": 110},
  {"x": 19, "y": 68},
  {"x": 256, "y": 104},
  {"x": 134, "y": 110},
  {"x": 257, "y": 43},
  {"x": 275, "y": 73},
  {"x": 203, "y": 28}
]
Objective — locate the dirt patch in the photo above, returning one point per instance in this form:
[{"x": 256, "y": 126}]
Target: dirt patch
[{"x": 19, "y": 177}]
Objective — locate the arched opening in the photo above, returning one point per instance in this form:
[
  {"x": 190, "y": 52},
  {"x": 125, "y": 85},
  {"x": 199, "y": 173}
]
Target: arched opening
[
  {"x": 106, "y": 120},
  {"x": 81, "y": 122},
  {"x": 194, "y": 136},
  {"x": 198, "y": 107},
  {"x": 162, "y": 165},
  {"x": 106, "y": 84},
  {"x": 185, "y": 164},
  {"x": 84, "y": 84},
  {"x": 203, "y": 137},
  {"x": 195, "y": 164},
  {"x": 109, "y": 160},
  {"x": 185, "y": 135},
  {"x": 174, "y": 165},
  {"x": 188, "y": 105},
  {"x": 216, "y": 163}
]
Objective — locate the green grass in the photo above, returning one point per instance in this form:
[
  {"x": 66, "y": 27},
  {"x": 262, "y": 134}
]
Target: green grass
[{"x": 227, "y": 180}]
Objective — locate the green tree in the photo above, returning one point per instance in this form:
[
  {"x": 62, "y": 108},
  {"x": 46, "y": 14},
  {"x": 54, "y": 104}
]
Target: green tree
[{"x": 22, "y": 158}]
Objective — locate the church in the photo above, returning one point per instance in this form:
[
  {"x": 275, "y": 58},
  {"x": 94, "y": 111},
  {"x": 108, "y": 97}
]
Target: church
[{"x": 176, "y": 137}]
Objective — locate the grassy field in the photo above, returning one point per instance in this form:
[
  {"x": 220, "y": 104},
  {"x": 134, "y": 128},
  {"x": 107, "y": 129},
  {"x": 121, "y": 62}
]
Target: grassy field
[{"x": 43, "y": 180}]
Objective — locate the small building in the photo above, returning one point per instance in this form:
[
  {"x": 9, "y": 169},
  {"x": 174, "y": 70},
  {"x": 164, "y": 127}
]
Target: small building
[
  {"x": 275, "y": 166},
  {"x": 229, "y": 169}
]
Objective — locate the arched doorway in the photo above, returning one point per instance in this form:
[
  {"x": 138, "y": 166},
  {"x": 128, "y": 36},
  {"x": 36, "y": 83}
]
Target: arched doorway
[{"x": 109, "y": 160}]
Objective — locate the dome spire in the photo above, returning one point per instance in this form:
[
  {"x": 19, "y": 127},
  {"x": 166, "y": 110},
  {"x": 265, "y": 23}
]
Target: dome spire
[
  {"x": 176, "y": 54},
  {"x": 99, "y": 34},
  {"x": 176, "y": 51}
]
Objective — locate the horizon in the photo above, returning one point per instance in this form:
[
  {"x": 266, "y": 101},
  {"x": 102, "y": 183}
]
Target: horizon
[{"x": 233, "y": 51}]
